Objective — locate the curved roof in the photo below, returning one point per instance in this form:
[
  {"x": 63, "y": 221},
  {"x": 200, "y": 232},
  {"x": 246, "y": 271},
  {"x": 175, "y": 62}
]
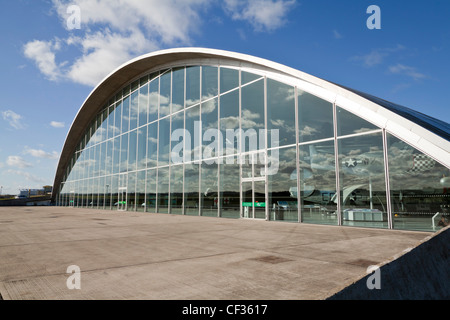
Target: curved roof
[{"x": 427, "y": 134}]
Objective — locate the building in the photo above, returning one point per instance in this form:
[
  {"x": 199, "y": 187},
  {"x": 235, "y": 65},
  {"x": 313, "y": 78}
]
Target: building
[{"x": 206, "y": 132}]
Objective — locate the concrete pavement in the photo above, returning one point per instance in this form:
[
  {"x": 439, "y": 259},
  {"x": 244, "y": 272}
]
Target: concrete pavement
[{"x": 125, "y": 255}]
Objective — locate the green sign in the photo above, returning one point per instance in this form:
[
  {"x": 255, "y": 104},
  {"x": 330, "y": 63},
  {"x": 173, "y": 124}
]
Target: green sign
[{"x": 257, "y": 204}]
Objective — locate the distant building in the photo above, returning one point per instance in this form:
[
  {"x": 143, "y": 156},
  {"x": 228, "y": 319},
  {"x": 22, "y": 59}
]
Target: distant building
[{"x": 35, "y": 192}]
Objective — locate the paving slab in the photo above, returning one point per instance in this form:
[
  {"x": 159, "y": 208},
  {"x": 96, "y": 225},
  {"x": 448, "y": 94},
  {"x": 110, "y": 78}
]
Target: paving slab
[{"x": 134, "y": 255}]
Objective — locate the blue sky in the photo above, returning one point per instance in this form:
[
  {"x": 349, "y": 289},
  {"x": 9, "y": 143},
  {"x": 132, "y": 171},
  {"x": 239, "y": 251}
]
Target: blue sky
[{"x": 47, "y": 70}]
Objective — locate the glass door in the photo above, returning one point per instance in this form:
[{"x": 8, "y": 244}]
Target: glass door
[
  {"x": 122, "y": 196},
  {"x": 253, "y": 185},
  {"x": 259, "y": 199},
  {"x": 122, "y": 203},
  {"x": 72, "y": 199},
  {"x": 247, "y": 199}
]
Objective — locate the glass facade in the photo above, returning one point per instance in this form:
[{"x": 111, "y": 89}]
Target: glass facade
[{"x": 218, "y": 141}]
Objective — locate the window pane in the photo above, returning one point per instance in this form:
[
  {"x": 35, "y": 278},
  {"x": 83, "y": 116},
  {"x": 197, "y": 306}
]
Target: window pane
[
  {"x": 191, "y": 189},
  {"x": 164, "y": 141},
  {"x": 164, "y": 95},
  {"x": 177, "y": 90},
  {"x": 177, "y": 138},
  {"x": 132, "y": 149},
  {"x": 280, "y": 113},
  {"x": 131, "y": 192},
  {"x": 102, "y": 167},
  {"x": 419, "y": 188},
  {"x": 210, "y": 134},
  {"x": 108, "y": 193},
  {"x": 118, "y": 119},
  {"x": 153, "y": 100},
  {"x": 193, "y": 148},
  {"x": 317, "y": 183},
  {"x": 348, "y": 123},
  {"x": 143, "y": 105},
  {"x": 163, "y": 190},
  {"x": 193, "y": 85},
  {"x": 315, "y": 117},
  {"x": 362, "y": 181},
  {"x": 109, "y": 157},
  {"x": 90, "y": 163},
  {"x": 95, "y": 172},
  {"x": 134, "y": 85},
  {"x": 126, "y": 114},
  {"x": 140, "y": 191},
  {"x": 134, "y": 110},
  {"x": 111, "y": 127},
  {"x": 114, "y": 191},
  {"x": 229, "y": 122},
  {"x": 282, "y": 185},
  {"x": 176, "y": 189},
  {"x": 229, "y": 188},
  {"x": 104, "y": 126},
  {"x": 124, "y": 153},
  {"x": 116, "y": 155},
  {"x": 209, "y": 82},
  {"x": 252, "y": 114},
  {"x": 209, "y": 189},
  {"x": 151, "y": 191},
  {"x": 247, "y": 77},
  {"x": 152, "y": 145},
  {"x": 142, "y": 148},
  {"x": 229, "y": 79}
]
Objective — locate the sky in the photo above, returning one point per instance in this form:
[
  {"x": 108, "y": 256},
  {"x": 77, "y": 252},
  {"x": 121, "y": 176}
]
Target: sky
[{"x": 49, "y": 64}]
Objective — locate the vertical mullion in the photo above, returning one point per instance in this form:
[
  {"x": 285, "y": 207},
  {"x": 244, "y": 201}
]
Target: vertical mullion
[
  {"x": 297, "y": 151},
  {"x": 336, "y": 160},
  {"x": 387, "y": 181}
]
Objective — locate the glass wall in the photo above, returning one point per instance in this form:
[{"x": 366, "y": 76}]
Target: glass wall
[
  {"x": 318, "y": 183},
  {"x": 229, "y": 188},
  {"x": 174, "y": 141},
  {"x": 282, "y": 185},
  {"x": 362, "y": 181},
  {"x": 420, "y": 197}
]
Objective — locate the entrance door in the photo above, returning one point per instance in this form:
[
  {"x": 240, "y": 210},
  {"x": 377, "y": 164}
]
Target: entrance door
[
  {"x": 253, "y": 185},
  {"x": 122, "y": 196},
  {"x": 122, "y": 202},
  {"x": 72, "y": 199}
]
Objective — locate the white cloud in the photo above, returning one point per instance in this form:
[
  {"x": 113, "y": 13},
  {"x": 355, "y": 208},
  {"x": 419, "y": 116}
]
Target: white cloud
[
  {"x": 337, "y": 35},
  {"x": 377, "y": 56},
  {"x": 43, "y": 54},
  {"x": 112, "y": 32},
  {"x": 407, "y": 71},
  {"x": 18, "y": 162},
  {"x": 41, "y": 153},
  {"x": 14, "y": 119},
  {"x": 115, "y": 31},
  {"x": 56, "y": 124},
  {"x": 28, "y": 176},
  {"x": 105, "y": 51},
  {"x": 263, "y": 15}
]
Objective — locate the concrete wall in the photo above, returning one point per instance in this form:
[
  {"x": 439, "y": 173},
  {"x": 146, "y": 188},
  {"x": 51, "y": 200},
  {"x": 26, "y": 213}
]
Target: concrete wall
[{"x": 421, "y": 273}]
